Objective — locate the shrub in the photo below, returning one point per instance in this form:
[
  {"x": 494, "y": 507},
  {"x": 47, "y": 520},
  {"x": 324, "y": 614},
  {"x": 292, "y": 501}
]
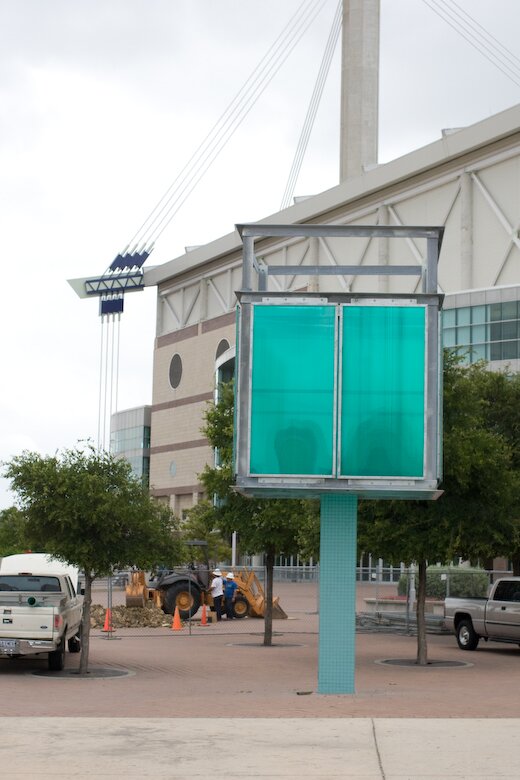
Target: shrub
[{"x": 463, "y": 582}]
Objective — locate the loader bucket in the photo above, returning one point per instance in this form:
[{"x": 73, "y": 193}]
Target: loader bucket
[
  {"x": 251, "y": 588},
  {"x": 278, "y": 612},
  {"x": 136, "y": 592}
]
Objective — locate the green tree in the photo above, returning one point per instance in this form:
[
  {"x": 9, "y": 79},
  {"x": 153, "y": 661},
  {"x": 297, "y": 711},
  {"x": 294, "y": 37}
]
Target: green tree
[
  {"x": 12, "y": 532},
  {"x": 471, "y": 518},
  {"x": 200, "y": 524},
  {"x": 268, "y": 525},
  {"x": 501, "y": 393},
  {"x": 85, "y": 507}
]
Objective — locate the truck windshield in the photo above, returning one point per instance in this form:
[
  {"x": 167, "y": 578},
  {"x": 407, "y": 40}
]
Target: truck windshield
[{"x": 28, "y": 582}]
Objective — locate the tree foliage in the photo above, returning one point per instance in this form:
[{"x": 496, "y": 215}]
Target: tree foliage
[
  {"x": 472, "y": 517},
  {"x": 501, "y": 394},
  {"x": 13, "y": 537},
  {"x": 85, "y": 507},
  {"x": 200, "y": 524}
]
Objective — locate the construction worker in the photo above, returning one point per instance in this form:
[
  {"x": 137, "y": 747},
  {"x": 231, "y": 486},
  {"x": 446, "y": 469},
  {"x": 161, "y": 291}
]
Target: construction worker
[
  {"x": 217, "y": 591},
  {"x": 230, "y": 592}
]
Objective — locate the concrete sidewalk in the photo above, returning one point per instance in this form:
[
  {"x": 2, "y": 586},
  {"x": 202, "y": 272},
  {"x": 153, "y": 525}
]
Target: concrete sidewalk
[
  {"x": 226, "y": 748},
  {"x": 218, "y": 704}
]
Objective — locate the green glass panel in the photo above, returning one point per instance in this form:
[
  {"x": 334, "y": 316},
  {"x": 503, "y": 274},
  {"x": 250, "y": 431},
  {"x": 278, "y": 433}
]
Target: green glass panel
[
  {"x": 382, "y": 394},
  {"x": 463, "y": 336},
  {"x": 510, "y": 350},
  {"x": 509, "y": 330},
  {"x": 478, "y": 314},
  {"x": 449, "y": 317},
  {"x": 496, "y": 350},
  {"x": 478, "y": 333},
  {"x": 495, "y": 333},
  {"x": 509, "y": 310},
  {"x": 463, "y": 316},
  {"x": 479, "y": 352},
  {"x": 495, "y": 312},
  {"x": 448, "y": 337},
  {"x": 292, "y": 391}
]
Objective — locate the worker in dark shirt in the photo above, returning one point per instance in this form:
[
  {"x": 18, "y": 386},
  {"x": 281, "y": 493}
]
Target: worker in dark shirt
[{"x": 230, "y": 592}]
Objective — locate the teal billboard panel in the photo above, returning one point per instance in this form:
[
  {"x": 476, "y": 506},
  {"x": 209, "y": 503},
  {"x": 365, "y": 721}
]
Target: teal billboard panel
[
  {"x": 293, "y": 390},
  {"x": 382, "y": 397}
]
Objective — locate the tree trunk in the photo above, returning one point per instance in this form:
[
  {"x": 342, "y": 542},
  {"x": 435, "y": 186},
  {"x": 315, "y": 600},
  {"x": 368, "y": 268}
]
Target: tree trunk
[
  {"x": 268, "y": 604},
  {"x": 85, "y": 625},
  {"x": 422, "y": 648},
  {"x": 516, "y": 566}
]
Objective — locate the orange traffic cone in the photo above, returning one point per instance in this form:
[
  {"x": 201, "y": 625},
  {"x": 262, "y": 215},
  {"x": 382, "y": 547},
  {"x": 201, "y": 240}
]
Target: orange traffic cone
[
  {"x": 176, "y": 624},
  {"x": 107, "y": 628},
  {"x": 204, "y": 619}
]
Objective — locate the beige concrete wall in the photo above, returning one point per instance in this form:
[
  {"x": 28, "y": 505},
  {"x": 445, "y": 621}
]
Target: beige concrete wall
[{"x": 178, "y": 447}]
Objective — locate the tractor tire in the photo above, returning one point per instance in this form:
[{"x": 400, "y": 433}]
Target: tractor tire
[
  {"x": 467, "y": 639},
  {"x": 56, "y": 659},
  {"x": 186, "y": 598},
  {"x": 240, "y": 608}
]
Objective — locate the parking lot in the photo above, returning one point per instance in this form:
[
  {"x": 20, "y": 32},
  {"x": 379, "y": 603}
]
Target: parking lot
[{"x": 224, "y": 669}]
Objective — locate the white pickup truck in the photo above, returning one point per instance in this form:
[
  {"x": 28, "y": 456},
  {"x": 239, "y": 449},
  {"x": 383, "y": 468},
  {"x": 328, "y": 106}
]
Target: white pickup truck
[
  {"x": 40, "y": 608},
  {"x": 496, "y": 617}
]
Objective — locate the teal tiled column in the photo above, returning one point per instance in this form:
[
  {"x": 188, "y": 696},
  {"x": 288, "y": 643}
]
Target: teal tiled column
[{"x": 336, "y": 663}]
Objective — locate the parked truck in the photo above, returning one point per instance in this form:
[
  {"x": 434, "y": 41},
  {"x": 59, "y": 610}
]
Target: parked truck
[
  {"x": 40, "y": 608},
  {"x": 496, "y": 617}
]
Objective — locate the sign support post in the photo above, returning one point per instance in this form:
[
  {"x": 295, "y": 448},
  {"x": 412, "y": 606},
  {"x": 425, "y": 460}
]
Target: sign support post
[{"x": 337, "y": 639}]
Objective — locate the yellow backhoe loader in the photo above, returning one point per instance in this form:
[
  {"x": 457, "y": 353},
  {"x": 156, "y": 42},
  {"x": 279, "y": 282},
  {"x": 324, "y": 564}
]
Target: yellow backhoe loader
[{"x": 188, "y": 589}]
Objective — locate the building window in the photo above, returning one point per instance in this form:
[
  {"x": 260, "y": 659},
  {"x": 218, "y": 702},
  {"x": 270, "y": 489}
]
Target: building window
[
  {"x": 486, "y": 332},
  {"x": 128, "y": 439},
  {"x": 222, "y": 347},
  {"x": 175, "y": 371}
]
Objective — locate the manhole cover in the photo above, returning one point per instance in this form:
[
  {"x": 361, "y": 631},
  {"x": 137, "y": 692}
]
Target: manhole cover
[
  {"x": 430, "y": 664},
  {"x": 92, "y": 674}
]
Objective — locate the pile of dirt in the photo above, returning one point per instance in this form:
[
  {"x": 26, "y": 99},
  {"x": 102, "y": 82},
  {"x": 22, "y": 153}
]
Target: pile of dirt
[{"x": 130, "y": 617}]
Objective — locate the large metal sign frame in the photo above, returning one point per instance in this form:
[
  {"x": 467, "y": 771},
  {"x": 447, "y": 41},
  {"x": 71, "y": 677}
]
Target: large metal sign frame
[
  {"x": 338, "y": 496},
  {"x": 311, "y": 485}
]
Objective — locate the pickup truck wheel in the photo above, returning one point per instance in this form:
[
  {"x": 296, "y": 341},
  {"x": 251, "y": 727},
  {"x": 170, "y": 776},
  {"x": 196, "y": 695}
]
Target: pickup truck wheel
[
  {"x": 240, "y": 607},
  {"x": 57, "y": 658},
  {"x": 467, "y": 639},
  {"x": 186, "y": 598}
]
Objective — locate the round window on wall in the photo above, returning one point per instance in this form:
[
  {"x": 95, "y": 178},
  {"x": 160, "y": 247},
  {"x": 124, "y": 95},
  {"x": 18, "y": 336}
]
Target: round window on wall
[
  {"x": 222, "y": 347},
  {"x": 175, "y": 371}
]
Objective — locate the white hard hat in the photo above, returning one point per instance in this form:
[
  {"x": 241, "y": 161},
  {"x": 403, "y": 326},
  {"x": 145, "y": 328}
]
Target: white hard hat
[
  {"x": 230, "y": 576},
  {"x": 217, "y": 573}
]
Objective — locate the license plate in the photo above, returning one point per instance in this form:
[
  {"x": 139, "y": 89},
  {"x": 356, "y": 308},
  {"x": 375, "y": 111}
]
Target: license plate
[{"x": 8, "y": 644}]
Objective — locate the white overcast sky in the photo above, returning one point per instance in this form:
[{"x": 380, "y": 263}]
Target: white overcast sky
[{"x": 102, "y": 102}]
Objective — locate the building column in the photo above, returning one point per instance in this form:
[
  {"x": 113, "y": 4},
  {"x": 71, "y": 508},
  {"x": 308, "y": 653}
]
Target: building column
[
  {"x": 313, "y": 284},
  {"x": 383, "y": 249},
  {"x": 466, "y": 232},
  {"x": 359, "y": 87}
]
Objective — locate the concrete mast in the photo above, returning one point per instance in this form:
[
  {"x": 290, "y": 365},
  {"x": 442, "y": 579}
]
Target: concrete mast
[{"x": 359, "y": 86}]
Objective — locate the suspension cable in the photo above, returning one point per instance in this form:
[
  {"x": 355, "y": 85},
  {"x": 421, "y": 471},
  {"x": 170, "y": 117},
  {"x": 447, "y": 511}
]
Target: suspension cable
[
  {"x": 230, "y": 120},
  {"x": 477, "y": 40},
  {"x": 313, "y": 107}
]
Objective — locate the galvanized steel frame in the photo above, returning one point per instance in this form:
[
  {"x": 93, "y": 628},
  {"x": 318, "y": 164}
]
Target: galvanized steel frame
[{"x": 367, "y": 487}]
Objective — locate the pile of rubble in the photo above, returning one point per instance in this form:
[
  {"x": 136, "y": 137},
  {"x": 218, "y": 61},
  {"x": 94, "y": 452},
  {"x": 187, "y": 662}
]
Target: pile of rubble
[{"x": 130, "y": 617}]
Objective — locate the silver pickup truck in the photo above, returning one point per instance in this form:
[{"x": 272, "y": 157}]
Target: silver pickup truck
[
  {"x": 496, "y": 617},
  {"x": 40, "y": 609}
]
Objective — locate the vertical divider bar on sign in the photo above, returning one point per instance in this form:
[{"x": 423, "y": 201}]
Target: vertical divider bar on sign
[{"x": 338, "y": 388}]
